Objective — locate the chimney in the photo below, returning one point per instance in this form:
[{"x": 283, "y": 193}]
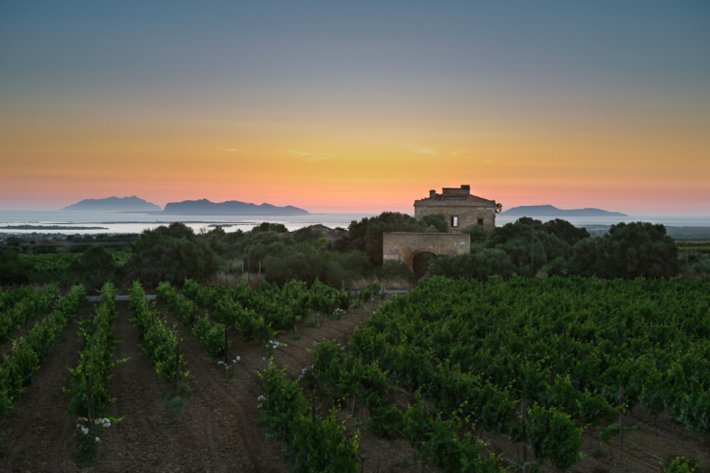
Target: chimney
[
  {"x": 466, "y": 187},
  {"x": 432, "y": 193}
]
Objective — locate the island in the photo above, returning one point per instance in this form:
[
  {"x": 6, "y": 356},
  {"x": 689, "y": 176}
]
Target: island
[
  {"x": 230, "y": 207},
  {"x": 50, "y": 227},
  {"x": 552, "y": 211},
  {"x": 114, "y": 204}
]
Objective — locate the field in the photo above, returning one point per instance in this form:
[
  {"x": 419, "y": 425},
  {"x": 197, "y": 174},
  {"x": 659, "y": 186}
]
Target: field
[{"x": 569, "y": 374}]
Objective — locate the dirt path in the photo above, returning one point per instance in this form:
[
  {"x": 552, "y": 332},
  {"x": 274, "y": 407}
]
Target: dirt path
[
  {"x": 221, "y": 416},
  {"x": 37, "y": 436},
  {"x": 379, "y": 454},
  {"x": 652, "y": 441},
  {"x": 145, "y": 439},
  {"x": 294, "y": 353}
]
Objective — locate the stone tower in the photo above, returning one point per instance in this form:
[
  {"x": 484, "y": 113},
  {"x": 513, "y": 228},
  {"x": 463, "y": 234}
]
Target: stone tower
[{"x": 460, "y": 208}]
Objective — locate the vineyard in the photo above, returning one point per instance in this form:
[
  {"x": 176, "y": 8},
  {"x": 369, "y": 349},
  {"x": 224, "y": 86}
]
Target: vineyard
[{"x": 530, "y": 375}]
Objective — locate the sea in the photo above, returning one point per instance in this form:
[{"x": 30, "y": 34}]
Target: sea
[{"x": 93, "y": 223}]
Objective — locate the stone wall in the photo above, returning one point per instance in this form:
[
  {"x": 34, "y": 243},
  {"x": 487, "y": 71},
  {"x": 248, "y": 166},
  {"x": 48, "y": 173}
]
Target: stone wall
[
  {"x": 467, "y": 214},
  {"x": 404, "y": 246}
]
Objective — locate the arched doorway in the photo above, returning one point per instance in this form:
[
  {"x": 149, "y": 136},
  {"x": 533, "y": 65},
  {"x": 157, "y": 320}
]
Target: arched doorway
[
  {"x": 404, "y": 246},
  {"x": 421, "y": 262}
]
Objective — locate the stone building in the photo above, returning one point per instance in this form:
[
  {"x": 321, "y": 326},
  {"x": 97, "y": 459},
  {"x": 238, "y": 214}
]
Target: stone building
[{"x": 460, "y": 208}]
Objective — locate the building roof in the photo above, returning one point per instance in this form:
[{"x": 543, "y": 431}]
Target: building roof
[{"x": 455, "y": 196}]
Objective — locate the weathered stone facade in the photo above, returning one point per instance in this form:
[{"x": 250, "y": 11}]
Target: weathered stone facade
[
  {"x": 404, "y": 246},
  {"x": 460, "y": 208}
]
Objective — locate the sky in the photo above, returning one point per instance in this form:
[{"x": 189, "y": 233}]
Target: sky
[{"x": 357, "y": 106}]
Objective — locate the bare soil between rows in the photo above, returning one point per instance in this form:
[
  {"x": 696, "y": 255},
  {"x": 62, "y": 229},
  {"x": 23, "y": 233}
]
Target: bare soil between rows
[{"x": 215, "y": 427}]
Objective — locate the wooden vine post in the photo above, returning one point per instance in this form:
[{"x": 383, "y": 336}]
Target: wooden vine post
[
  {"x": 226, "y": 345},
  {"x": 524, "y": 416},
  {"x": 177, "y": 365},
  {"x": 89, "y": 401}
]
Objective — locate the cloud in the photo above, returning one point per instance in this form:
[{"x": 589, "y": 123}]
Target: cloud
[
  {"x": 457, "y": 152},
  {"x": 419, "y": 149},
  {"x": 234, "y": 150},
  {"x": 309, "y": 155}
]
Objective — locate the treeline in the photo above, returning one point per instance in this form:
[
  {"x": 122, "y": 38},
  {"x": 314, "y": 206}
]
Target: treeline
[
  {"x": 352, "y": 257},
  {"x": 529, "y": 247}
]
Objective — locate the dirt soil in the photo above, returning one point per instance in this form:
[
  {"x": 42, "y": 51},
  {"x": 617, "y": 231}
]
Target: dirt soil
[
  {"x": 37, "y": 436},
  {"x": 377, "y": 454},
  {"x": 215, "y": 427},
  {"x": 650, "y": 443}
]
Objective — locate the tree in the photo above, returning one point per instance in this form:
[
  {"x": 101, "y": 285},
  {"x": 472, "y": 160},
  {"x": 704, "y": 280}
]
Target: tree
[
  {"x": 436, "y": 223},
  {"x": 93, "y": 268},
  {"x": 366, "y": 235},
  {"x": 13, "y": 271},
  {"x": 532, "y": 245},
  {"x": 629, "y": 250},
  {"x": 565, "y": 231},
  {"x": 171, "y": 254}
]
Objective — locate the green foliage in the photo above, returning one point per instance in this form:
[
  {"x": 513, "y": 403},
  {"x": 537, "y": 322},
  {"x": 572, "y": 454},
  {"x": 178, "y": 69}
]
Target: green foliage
[
  {"x": 553, "y": 435},
  {"x": 629, "y": 250},
  {"x": 371, "y": 292},
  {"x": 257, "y": 313},
  {"x": 395, "y": 270},
  {"x": 88, "y": 379},
  {"x": 93, "y": 268},
  {"x": 27, "y": 352},
  {"x": 435, "y": 223},
  {"x": 31, "y": 305},
  {"x": 312, "y": 444},
  {"x": 366, "y": 235},
  {"x": 476, "y": 349},
  {"x": 565, "y": 231},
  {"x": 270, "y": 227},
  {"x": 614, "y": 429},
  {"x": 45, "y": 268},
  {"x": 160, "y": 341},
  {"x": 481, "y": 264},
  {"x": 209, "y": 334},
  {"x": 342, "y": 374},
  {"x": 681, "y": 465},
  {"x": 13, "y": 270},
  {"x": 530, "y": 244},
  {"x": 171, "y": 254},
  {"x": 479, "y": 235},
  {"x": 438, "y": 441},
  {"x": 308, "y": 263}
]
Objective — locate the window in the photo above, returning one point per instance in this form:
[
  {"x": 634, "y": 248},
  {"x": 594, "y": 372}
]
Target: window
[
  {"x": 455, "y": 221},
  {"x": 480, "y": 221}
]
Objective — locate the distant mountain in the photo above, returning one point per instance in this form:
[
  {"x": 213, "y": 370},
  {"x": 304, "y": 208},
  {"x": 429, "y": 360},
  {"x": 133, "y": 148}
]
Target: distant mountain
[
  {"x": 115, "y": 204},
  {"x": 552, "y": 211},
  {"x": 231, "y": 207}
]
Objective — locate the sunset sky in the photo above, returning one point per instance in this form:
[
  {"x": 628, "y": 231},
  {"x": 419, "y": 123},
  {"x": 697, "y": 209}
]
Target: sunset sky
[{"x": 357, "y": 106}]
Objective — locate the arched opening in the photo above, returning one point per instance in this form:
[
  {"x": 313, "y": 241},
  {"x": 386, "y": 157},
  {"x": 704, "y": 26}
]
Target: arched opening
[{"x": 420, "y": 263}]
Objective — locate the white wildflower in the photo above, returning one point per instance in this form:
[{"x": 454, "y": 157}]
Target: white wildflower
[
  {"x": 84, "y": 430},
  {"x": 97, "y": 440},
  {"x": 104, "y": 422}
]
